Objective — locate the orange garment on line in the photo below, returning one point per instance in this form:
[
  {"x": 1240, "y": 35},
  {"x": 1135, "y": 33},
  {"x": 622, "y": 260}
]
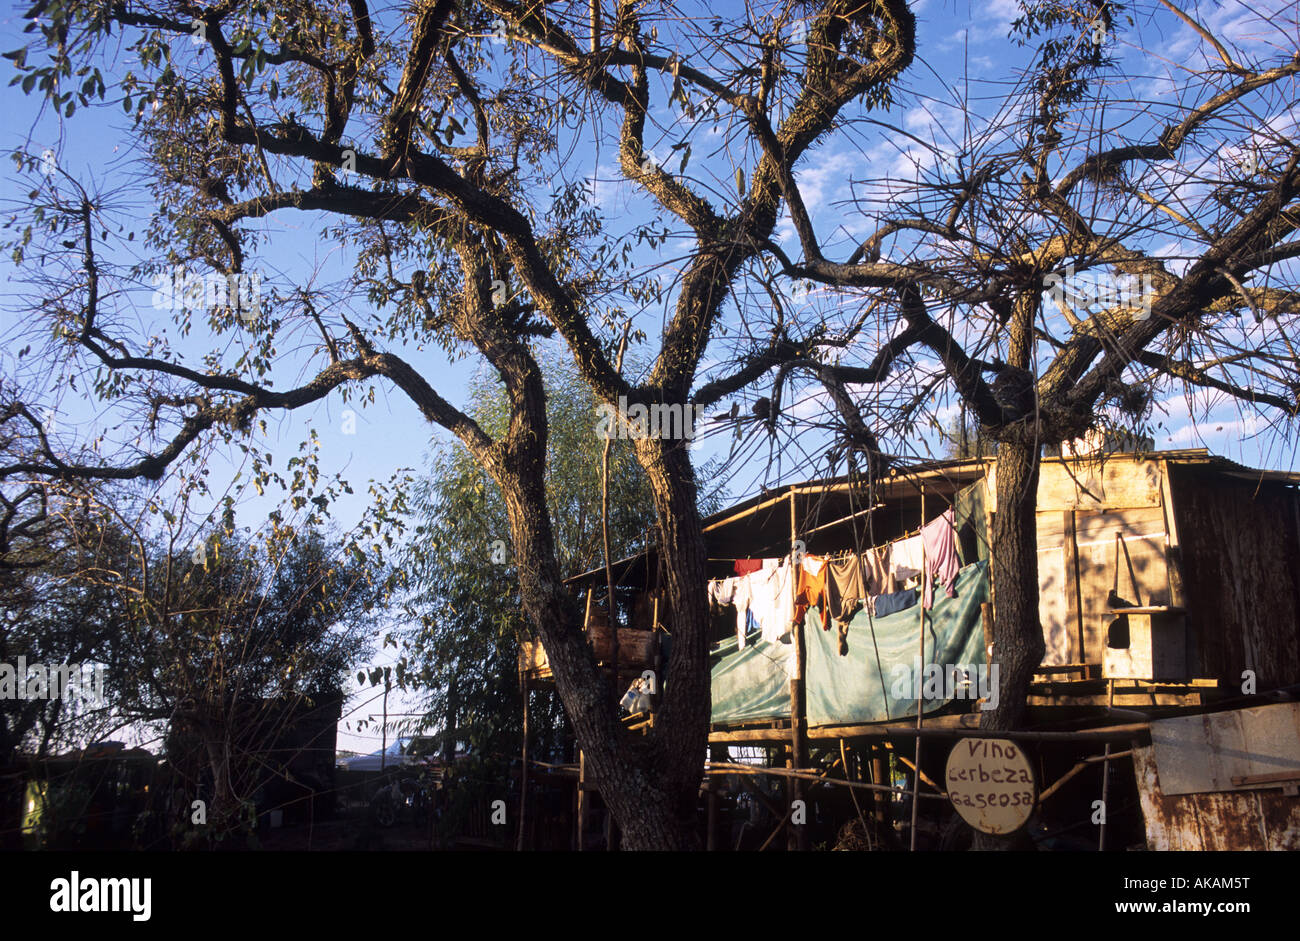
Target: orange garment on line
[{"x": 811, "y": 590}]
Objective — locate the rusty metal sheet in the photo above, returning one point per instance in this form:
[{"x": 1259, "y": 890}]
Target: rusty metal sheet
[
  {"x": 1238, "y": 820},
  {"x": 1202, "y": 754}
]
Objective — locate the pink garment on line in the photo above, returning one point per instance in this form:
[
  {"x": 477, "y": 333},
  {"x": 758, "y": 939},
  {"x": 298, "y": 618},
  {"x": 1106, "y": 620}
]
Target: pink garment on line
[{"x": 940, "y": 539}]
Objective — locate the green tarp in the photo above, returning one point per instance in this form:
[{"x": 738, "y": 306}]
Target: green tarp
[
  {"x": 753, "y": 685},
  {"x": 968, "y": 518}
]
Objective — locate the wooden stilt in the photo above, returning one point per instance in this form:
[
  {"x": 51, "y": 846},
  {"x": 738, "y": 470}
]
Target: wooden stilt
[
  {"x": 878, "y": 777},
  {"x": 582, "y": 799},
  {"x": 1105, "y": 767},
  {"x": 716, "y": 753},
  {"x": 799, "y": 836}
]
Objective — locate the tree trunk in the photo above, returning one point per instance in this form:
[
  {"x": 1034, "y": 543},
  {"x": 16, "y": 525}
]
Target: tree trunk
[
  {"x": 1018, "y": 646},
  {"x": 649, "y": 783},
  {"x": 629, "y": 781},
  {"x": 1017, "y": 634},
  {"x": 223, "y": 815},
  {"x": 680, "y": 738}
]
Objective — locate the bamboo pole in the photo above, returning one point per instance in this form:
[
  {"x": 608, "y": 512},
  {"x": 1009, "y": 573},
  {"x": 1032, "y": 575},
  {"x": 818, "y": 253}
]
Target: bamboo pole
[
  {"x": 726, "y": 768},
  {"x": 897, "y": 730},
  {"x": 1080, "y": 766},
  {"x": 604, "y": 483},
  {"x": 798, "y": 709},
  {"x": 658, "y": 665},
  {"x": 844, "y": 758}
]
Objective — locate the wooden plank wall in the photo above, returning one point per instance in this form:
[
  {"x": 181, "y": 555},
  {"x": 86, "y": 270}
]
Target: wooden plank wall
[
  {"x": 1144, "y": 535},
  {"x": 1080, "y": 509},
  {"x": 1055, "y": 587},
  {"x": 1118, "y": 482},
  {"x": 1240, "y": 548}
]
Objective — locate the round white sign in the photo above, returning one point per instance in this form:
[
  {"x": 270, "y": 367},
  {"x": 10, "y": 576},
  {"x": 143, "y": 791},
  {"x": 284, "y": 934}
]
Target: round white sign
[{"x": 991, "y": 784}]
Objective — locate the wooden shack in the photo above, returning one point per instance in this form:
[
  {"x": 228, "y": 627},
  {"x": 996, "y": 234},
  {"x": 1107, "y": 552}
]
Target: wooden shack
[{"x": 1169, "y": 585}]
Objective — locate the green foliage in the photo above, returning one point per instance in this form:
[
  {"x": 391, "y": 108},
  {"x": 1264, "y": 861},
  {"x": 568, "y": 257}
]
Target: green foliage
[
  {"x": 54, "y": 609},
  {"x": 463, "y": 595}
]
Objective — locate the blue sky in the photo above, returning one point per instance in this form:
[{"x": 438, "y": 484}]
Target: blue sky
[{"x": 964, "y": 54}]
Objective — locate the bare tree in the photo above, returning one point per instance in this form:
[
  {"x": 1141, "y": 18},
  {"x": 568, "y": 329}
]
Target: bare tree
[
  {"x": 1084, "y": 245},
  {"x": 453, "y": 153},
  {"x": 304, "y": 107}
]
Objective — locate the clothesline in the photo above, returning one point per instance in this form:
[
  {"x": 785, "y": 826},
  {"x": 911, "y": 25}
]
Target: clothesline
[
  {"x": 845, "y": 553},
  {"x": 774, "y": 588}
]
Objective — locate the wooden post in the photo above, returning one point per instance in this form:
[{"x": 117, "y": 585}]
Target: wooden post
[
  {"x": 582, "y": 799},
  {"x": 604, "y": 478},
  {"x": 916, "y": 778},
  {"x": 986, "y": 617},
  {"x": 1074, "y": 594},
  {"x": 383, "y": 729},
  {"x": 1105, "y": 766},
  {"x": 656, "y": 662},
  {"x": 1173, "y": 554},
  {"x": 716, "y": 753},
  {"x": 799, "y": 836},
  {"x": 878, "y": 776}
]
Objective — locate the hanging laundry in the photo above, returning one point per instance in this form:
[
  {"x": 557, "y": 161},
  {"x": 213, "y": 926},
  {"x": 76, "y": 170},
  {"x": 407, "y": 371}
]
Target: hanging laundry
[
  {"x": 745, "y": 566},
  {"x": 940, "y": 538},
  {"x": 637, "y": 698},
  {"x": 894, "y": 602},
  {"x": 905, "y": 558},
  {"x": 810, "y": 590},
  {"x": 734, "y": 591},
  {"x": 846, "y": 587},
  {"x": 931, "y": 554},
  {"x": 855, "y": 579},
  {"x": 771, "y": 598},
  {"x": 876, "y": 579},
  {"x": 843, "y": 631}
]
